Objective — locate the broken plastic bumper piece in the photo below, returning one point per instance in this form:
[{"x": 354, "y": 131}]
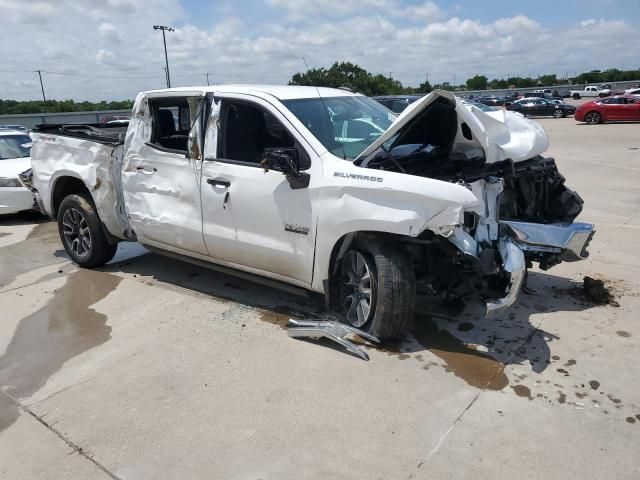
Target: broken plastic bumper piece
[
  {"x": 332, "y": 330},
  {"x": 514, "y": 263}
]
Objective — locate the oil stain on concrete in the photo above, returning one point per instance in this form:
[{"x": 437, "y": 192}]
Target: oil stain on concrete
[
  {"x": 474, "y": 367},
  {"x": 62, "y": 329}
]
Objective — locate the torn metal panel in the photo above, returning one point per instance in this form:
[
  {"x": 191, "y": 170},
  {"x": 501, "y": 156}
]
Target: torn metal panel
[
  {"x": 57, "y": 156},
  {"x": 161, "y": 186},
  {"x": 332, "y": 330}
]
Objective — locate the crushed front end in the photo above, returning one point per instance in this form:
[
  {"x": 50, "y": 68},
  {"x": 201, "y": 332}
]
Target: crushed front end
[{"x": 524, "y": 215}]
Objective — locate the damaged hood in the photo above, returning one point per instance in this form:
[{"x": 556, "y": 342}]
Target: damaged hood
[{"x": 501, "y": 134}]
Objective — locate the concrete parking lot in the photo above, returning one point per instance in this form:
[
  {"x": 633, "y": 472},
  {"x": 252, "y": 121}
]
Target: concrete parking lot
[{"x": 150, "y": 368}]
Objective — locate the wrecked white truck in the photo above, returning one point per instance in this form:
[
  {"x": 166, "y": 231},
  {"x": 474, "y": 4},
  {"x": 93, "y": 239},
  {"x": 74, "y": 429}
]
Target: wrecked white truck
[{"x": 318, "y": 188}]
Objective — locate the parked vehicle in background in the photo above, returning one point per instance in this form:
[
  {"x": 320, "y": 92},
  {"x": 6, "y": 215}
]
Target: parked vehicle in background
[
  {"x": 481, "y": 106},
  {"x": 632, "y": 91},
  {"x": 590, "y": 91},
  {"x": 542, "y": 93},
  {"x": 263, "y": 180},
  {"x": 624, "y": 108},
  {"x": 396, "y": 103},
  {"x": 492, "y": 101},
  {"x": 15, "y": 148},
  {"x": 541, "y": 107},
  {"x": 18, "y": 128}
]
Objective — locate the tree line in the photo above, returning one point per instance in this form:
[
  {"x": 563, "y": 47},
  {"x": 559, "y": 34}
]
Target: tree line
[
  {"x": 346, "y": 74},
  {"x": 12, "y": 107}
]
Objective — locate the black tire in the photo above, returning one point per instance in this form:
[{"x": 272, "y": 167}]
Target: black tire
[
  {"x": 81, "y": 232},
  {"x": 576, "y": 96},
  {"x": 593, "y": 118},
  {"x": 392, "y": 285},
  {"x": 558, "y": 113}
]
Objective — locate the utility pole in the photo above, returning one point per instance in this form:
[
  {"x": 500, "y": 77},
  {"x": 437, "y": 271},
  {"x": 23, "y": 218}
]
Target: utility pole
[
  {"x": 208, "y": 79},
  {"x": 41, "y": 85},
  {"x": 164, "y": 28}
]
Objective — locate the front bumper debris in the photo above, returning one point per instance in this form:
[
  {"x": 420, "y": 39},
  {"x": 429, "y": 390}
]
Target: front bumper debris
[
  {"x": 332, "y": 330},
  {"x": 513, "y": 262},
  {"x": 570, "y": 240}
]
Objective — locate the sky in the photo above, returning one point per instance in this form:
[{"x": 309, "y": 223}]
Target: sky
[{"x": 107, "y": 49}]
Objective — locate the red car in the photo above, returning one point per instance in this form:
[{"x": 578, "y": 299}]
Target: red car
[{"x": 623, "y": 108}]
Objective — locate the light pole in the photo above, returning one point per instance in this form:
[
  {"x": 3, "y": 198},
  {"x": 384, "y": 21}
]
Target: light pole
[{"x": 164, "y": 28}]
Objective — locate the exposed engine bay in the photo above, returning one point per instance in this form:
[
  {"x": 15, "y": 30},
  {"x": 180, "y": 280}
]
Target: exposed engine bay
[{"x": 526, "y": 215}]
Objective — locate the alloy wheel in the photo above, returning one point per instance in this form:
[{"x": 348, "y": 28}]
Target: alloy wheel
[
  {"x": 76, "y": 232},
  {"x": 358, "y": 293},
  {"x": 592, "y": 118}
]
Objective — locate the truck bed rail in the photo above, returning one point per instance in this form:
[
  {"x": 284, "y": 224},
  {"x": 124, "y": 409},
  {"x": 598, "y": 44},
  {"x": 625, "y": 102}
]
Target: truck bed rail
[{"x": 95, "y": 132}]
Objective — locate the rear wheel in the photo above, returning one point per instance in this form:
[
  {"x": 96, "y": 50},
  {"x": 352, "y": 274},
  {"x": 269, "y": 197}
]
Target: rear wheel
[
  {"x": 558, "y": 113},
  {"x": 377, "y": 289},
  {"x": 81, "y": 233},
  {"x": 592, "y": 118}
]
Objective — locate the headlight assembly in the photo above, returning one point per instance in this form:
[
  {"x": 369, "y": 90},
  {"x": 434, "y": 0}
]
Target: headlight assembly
[{"x": 10, "y": 182}]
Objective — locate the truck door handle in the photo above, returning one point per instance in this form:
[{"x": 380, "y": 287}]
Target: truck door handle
[
  {"x": 145, "y": 169},
  {"x": 218, "y": 182}
]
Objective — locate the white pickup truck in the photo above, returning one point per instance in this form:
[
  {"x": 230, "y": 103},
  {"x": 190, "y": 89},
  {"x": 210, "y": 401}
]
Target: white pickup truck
[
  {"x": 318, "y": 188},
  {"x": 590, "y": 91}
]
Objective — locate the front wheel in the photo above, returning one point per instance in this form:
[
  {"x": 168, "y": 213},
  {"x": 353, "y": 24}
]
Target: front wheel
[
  {"x": 592, "y": 118},
  {"x": 377, "y": 289},
  {"x": 81, "y": 233},
  {"x": 557, "y": 113}
]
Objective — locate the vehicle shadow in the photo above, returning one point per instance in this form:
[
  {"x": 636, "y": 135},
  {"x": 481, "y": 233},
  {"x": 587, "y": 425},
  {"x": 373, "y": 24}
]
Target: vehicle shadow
[
  {"x": 28, "y": 217},
  {"x": 458, "y": 335}
]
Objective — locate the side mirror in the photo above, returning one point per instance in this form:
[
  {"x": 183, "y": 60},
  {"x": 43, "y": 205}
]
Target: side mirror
[{"x": 287, "y": 161}]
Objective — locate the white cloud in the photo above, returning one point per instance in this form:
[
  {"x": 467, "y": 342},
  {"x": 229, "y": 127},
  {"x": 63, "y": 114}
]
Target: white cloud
[
  {"x": 17, "y": 11},
  {"x": 427, "y": 11},
  {"x": 90, "y": 41},
  {"x": 110, "y": 32},
  {"x": 300, "y": 9}
]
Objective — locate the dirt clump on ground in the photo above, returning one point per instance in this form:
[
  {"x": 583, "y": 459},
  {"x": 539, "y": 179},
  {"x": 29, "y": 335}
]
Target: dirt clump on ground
[{"x": 596, "y": 291}]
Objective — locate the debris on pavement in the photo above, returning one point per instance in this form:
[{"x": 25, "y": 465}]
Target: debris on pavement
[
  {"x": 332, "y": 330},
  {"x": 597, "y": 292}
]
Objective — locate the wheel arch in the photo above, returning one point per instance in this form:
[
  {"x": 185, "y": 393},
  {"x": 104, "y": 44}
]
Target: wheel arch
[
  {"x": 340, "y": 248},
  {"x": 69, "y": 184},
  {"x": 66, "y": 185}
]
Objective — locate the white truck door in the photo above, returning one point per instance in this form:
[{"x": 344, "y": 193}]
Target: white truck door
[
  {"x": 252, "y": 219},
  {"x": 160, "y": 183}
]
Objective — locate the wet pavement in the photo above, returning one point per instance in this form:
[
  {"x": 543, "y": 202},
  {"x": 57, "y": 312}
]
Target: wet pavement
[{"x": 153, "y": 368}]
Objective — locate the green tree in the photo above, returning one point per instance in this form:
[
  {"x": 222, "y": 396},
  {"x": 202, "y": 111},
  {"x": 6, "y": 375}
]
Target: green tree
[
  {"x": 548, "y": 79},
  {"x": 477, "y": 82},
  {"x": 425, "y": 87}
]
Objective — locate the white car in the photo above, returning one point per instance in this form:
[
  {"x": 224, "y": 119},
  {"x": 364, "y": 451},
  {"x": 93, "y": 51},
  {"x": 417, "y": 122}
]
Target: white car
[
  {"x": 632, "y": 91},
  {"x": 321, "y": 189},
  {"x": 15, "y": 148}
]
